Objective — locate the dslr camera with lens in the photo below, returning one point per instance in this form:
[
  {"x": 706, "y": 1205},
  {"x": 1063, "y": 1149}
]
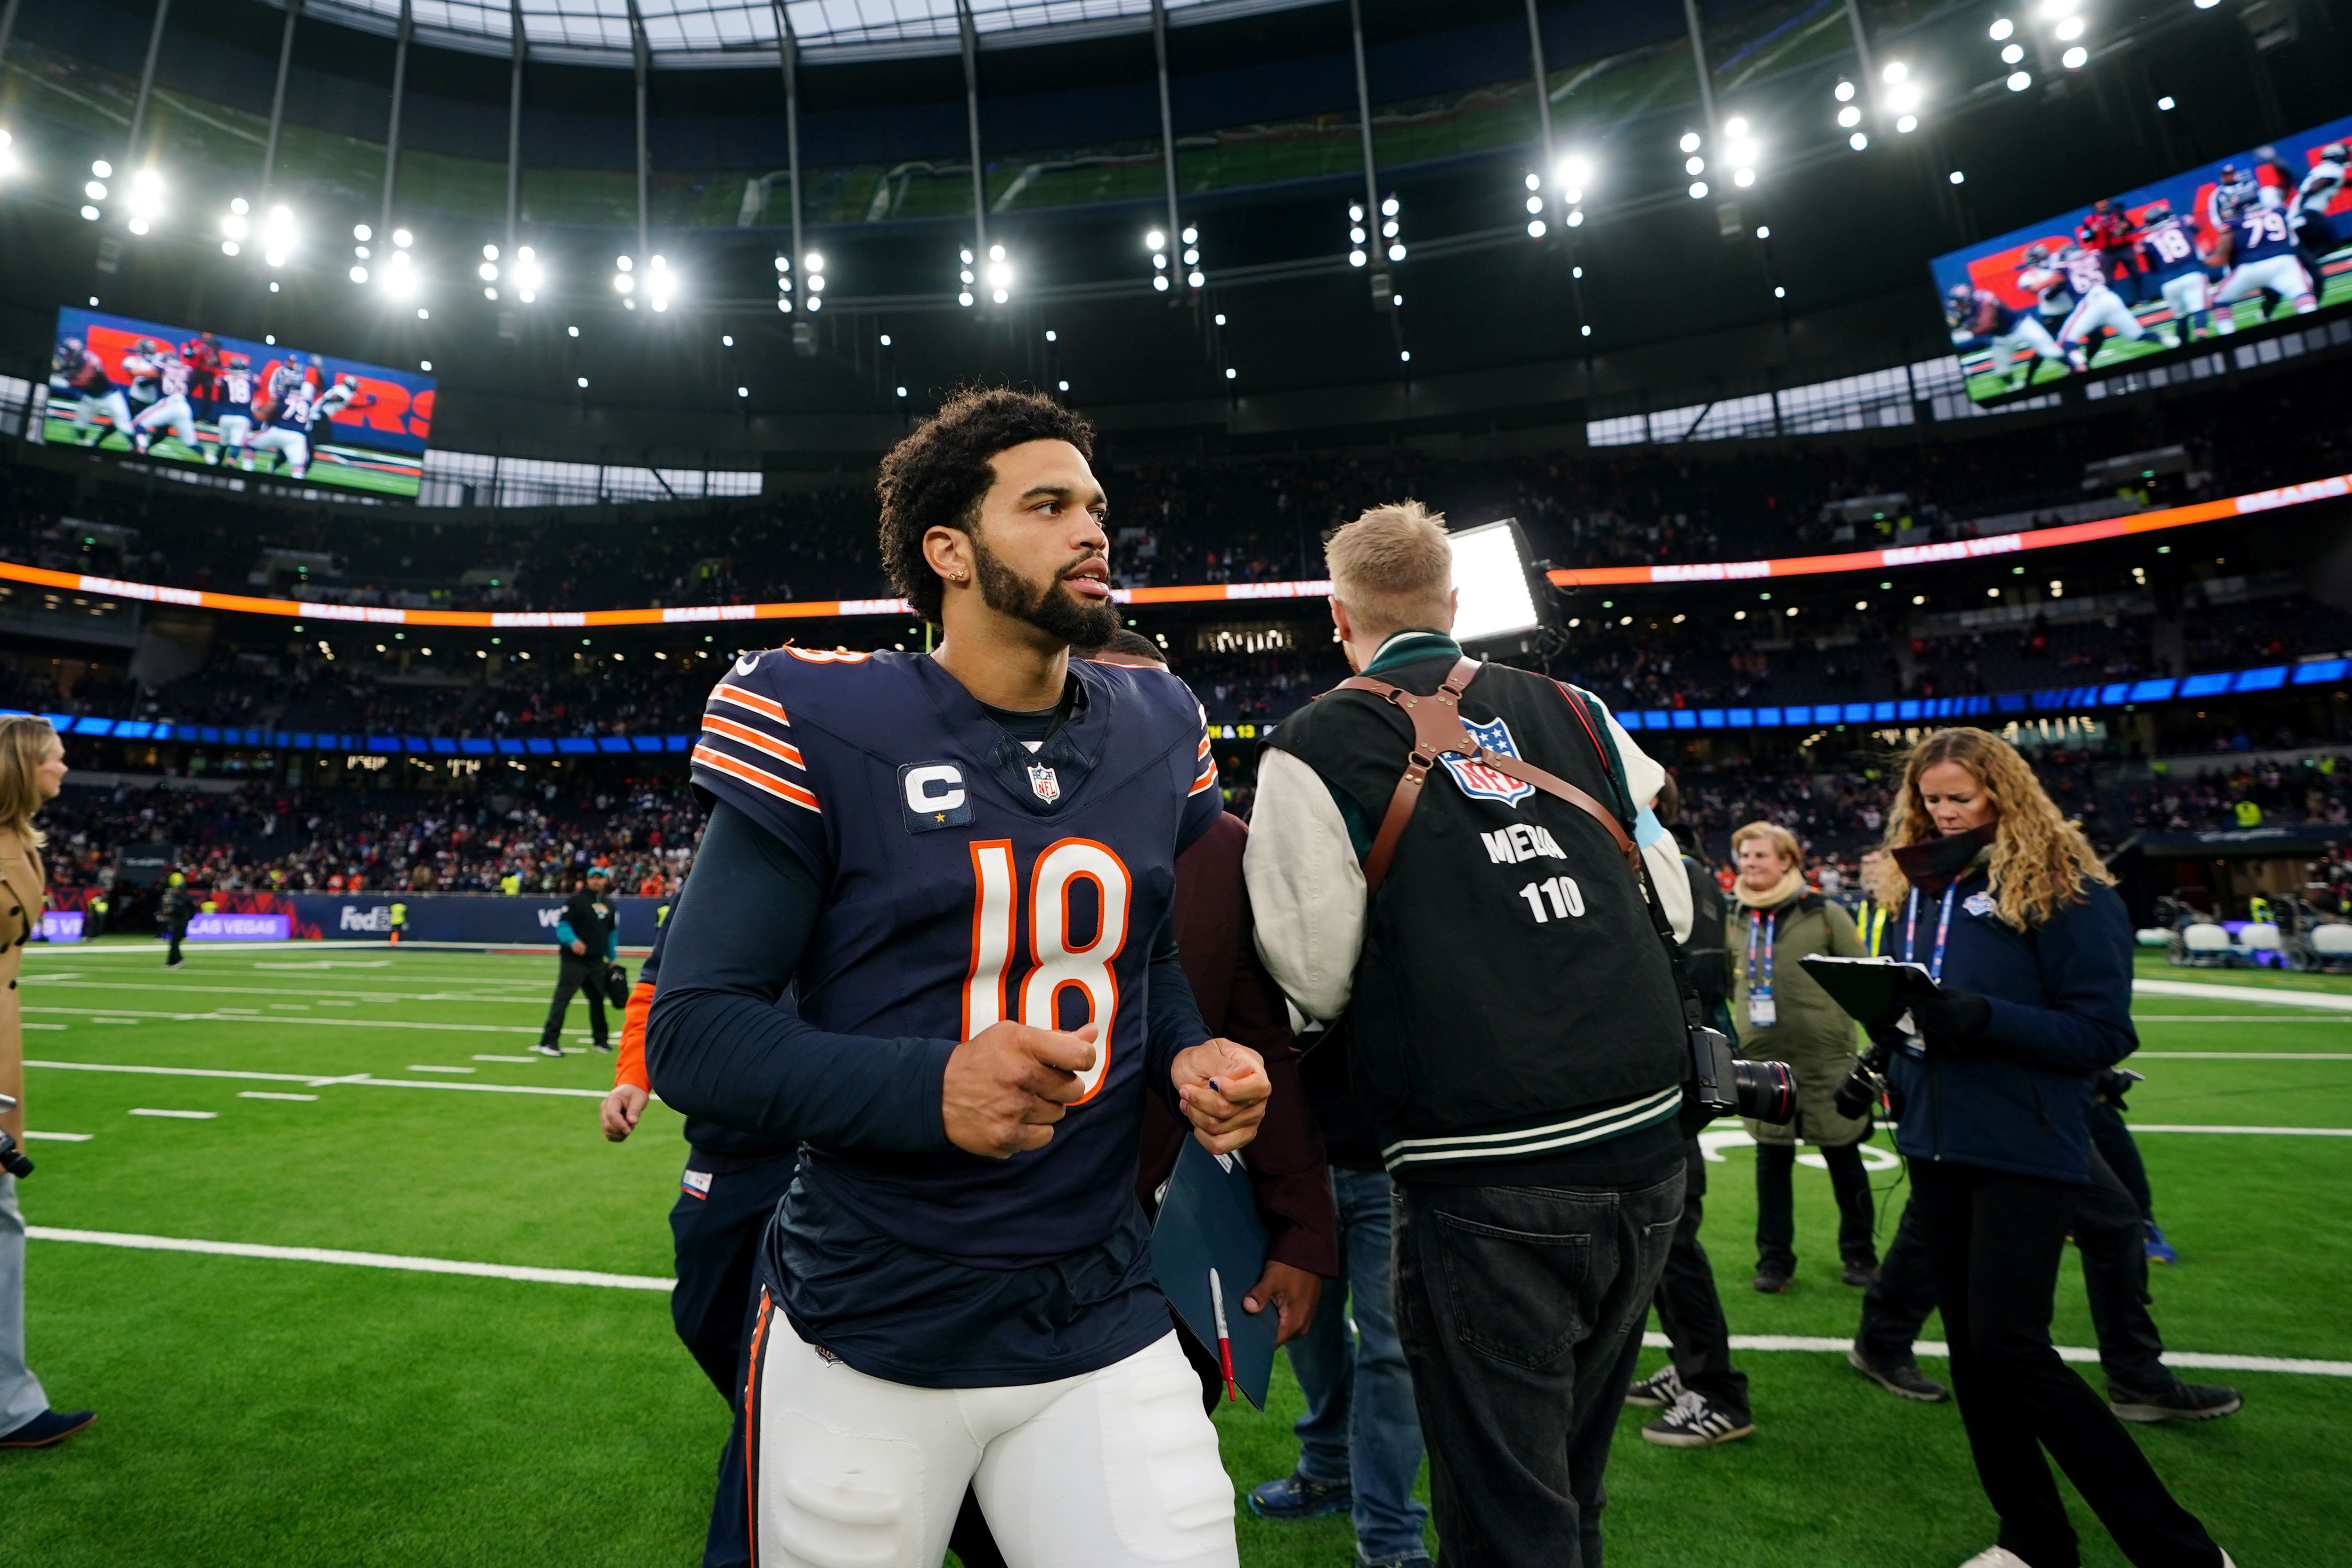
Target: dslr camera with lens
[
  {"x": 1866, "y": 1086},
  {"x": 12, "y": 1158},
  {"x": 1722, "y": 1083}
]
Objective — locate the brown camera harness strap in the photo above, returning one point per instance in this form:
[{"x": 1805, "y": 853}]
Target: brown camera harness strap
[{"x": 1438, "y": 730}]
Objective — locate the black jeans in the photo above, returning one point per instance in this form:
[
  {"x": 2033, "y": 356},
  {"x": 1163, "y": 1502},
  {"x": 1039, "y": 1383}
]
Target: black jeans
[
  {"x": 1994, "y": 1241},
  {"x": 1776, "y": 1205},
  {"x": 2111, "y": 1137},
  {"x": 1518, "y": 1308},
  {"x": 2107, "y": 1227},
  {"x": 585, "y": 975},
  {"x": 1690, "y": 1312}
]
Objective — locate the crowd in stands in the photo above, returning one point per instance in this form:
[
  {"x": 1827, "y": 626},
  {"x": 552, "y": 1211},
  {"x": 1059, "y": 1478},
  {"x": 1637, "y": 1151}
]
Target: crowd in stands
[{"x": 1195, "y": 519}]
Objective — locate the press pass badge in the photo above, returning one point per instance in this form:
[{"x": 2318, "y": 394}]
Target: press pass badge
[{"x": 1762, "y": 1011}]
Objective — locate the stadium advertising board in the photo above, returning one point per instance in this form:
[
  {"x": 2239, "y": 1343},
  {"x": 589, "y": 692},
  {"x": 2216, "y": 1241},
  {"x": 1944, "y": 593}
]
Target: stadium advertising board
[
  {"x": 229, "y": 927},
  {"x": 2169, "y": 270},
  {"x": 188, "y": 396}
]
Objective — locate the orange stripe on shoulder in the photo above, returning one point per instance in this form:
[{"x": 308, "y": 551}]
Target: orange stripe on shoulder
[
  {"x": 745, "y": 735},
  {"x": 758, "y": 777},
  {"x": 729, "y": 692}
]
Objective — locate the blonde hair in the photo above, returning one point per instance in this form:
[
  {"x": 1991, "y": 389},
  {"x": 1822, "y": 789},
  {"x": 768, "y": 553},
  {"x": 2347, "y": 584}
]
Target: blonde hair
[
  {"x": 25, "y": 742},
  {"x": 1394, "y": 568},
  {"x": 2040, "y": 861},
  {"x": 1782, "y": 840}
]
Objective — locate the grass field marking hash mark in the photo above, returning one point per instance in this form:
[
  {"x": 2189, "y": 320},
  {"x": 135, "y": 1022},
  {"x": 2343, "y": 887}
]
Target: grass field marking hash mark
[
  {"x": 2281, "y": 996},
  {"x": 221, "y": 1016},
  {"x": 270, "y": 1094},
  {"x": 57, "y": 1137},
  {"x": 2240, "y": 1056},
  {"x": 176, "y": 1115},
  {"x": 346, "y": 999},
  {"x": 429, "y": 1066}
]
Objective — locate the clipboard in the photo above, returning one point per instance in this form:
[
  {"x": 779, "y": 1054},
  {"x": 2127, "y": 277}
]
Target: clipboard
[
  {"x": 1209, "y": 1229},
  {"x": 1875, "y": 992}
]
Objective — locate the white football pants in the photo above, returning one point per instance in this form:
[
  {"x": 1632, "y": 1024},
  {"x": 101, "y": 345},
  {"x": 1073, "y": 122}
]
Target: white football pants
[
  {"x": 171, "y": 414},
  {"x": 2280, "y": 273},
  {"x": 1115, "y": 1468},
  {"x": 292, "y": 442},
  {"x": 112, "y": 405},
  {"x": 2029, "y": 333},
  {"x": 2100, "y": 308}
]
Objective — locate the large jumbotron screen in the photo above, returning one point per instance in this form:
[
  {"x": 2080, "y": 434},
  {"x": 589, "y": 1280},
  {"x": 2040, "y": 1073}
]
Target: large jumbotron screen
[
  {"x": 189, "y": 396},
  {"x": 2171, "y": 268}
]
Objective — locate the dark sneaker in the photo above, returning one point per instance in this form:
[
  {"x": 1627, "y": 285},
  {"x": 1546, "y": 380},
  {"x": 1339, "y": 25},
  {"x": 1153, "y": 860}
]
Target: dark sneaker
[
  {"x": 1697, "y": 1422},
  {"x": 1297, "y": 1496},
  {"x": 48, "y": 1427},
  {"x": 2159, "y": 1250},
  {"x": 1658, "y": 1390},
  {"x": 2181, "y": 1402},
  {"x": 1770, "y": 1280},
  {"x": 1901, "y": 1378},
  {"x": 1860, "y": 1272},
  {"x": 546, "y": 1050},
  {"x": 605, "y": 1046}
]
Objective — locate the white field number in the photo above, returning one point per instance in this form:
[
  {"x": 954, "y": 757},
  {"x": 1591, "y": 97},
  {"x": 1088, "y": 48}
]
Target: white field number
[{"x": 1561, "y": 891}]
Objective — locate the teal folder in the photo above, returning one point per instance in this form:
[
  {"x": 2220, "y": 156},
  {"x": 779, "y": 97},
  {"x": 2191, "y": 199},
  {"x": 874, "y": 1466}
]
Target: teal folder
[{"x": 1209, "y": 1225}]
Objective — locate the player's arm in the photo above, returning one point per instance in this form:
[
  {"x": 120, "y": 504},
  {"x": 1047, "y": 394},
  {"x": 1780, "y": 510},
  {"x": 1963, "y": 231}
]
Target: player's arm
[{"x": 620, "y": 1110}]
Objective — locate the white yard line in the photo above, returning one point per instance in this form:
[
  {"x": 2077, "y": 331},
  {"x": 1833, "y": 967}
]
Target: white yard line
[
  {"x": 2240, "y": 1056},
  {"x": 57, "y": 1137},
  {"x": 428, "y": 1067},
  {"x": 2274, "y": 1132},
  {"x": 79, "y": 984},
  {"x": 2080, "y": 1355},
  {"x": 356, "y": 1260},
  {"x": 176, "y": 1116},
  {"x": 224, "y": 1015},
  {"x": 316, "y": 1080},
  {"x": 2232, "y": 1017},
  {"x": 270, "y": 1094},
  {"x": 2326, "y": 1001}
]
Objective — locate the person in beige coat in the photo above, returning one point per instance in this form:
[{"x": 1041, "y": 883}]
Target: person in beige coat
[
  {"x": 1783, "y": 1015},
  {"x": 32, "y": 769}
]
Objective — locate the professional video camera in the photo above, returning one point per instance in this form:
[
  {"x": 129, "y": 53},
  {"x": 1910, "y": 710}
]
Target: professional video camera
[
  {"x": 12, "y": 1158},
  {"x": 1724, "y": 1084}
]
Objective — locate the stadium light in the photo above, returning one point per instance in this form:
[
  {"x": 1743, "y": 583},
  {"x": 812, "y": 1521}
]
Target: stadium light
[
  {"x": 2020, "y": 80},
  {"x": 530, "y": 275},
  {"x": 785, "y": 300},
  {"x": 2075, "y": 58},
  {"x": 1391, "y": 229},
  {"x": 1858, "y": 142},
  {"x": 2069, "y": 29},
  {"x": 812, "y": 265},
  {"x": 2002, "y": 28},
  {"x": 1357, "y": 238},
  {"x": 277, "y": 236},
  {"x": 1156, "y": 242},
  {"x": 400, "y": 280},
  {"x": 1193, "y": 277},
  {"x": 624, "y": 280},
  {"x": 660, "y": 282},
  {"x": 1690, "y": 142},
  {"x": 969, "y": 279},
  {"x": 1740, "y": 151},
  {"x": 234, "y": 226},
  {"x": 146, "y": 199},
  {"x": 2012, "y": 54},
  {"x": 999, "y": 273},
  {"x": 8, "y": 166}
]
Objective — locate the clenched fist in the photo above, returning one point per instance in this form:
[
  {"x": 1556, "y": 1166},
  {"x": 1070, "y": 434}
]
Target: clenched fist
[
  {"x": 1224, "y": 1089},
  {"x": 1007, "y": 1085}
]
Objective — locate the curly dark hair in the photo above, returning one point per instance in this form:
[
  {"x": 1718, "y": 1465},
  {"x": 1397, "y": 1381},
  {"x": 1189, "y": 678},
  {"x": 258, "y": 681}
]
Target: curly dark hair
[{"x": 936, "y": 476}]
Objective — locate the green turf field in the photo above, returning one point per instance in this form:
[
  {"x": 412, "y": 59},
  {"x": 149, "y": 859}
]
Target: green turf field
[
  {"x": 260, "y": 1411},
  {"x": 2335, "y": 289},
  {"x": 336, "y": 467}
]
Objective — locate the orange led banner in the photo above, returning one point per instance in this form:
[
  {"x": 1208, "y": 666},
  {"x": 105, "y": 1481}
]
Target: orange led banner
[{"x": 1192, "y": 594}]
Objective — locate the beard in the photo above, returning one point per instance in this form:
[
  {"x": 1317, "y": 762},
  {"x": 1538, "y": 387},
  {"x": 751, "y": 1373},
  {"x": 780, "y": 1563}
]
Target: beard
[{"x": 1078, "y": 623}]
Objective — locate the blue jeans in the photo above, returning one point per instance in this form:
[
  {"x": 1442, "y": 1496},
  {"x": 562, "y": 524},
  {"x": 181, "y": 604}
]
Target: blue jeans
[{"x": 1360, "y": 1426}]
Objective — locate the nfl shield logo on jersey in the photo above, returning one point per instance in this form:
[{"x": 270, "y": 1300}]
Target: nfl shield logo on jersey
[
  {"x": 1481, "y": 782},
  {"x": 1043, "y": 784}
]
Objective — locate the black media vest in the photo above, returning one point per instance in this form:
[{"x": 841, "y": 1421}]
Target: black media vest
[
  {"x": 1703, "y": 958},
  {"x": 1510, "y": 973}
]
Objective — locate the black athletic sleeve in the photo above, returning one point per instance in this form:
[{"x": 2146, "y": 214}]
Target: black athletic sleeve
[
  {"x": 718, "y": 1047},
  {"x": 1171, "y": 1016}
]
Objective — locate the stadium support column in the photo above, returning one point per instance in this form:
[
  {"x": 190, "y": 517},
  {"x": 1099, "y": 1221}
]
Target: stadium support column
[
  {"x": 1543, "y": 91},
  {"x": 640, "y": 56},
  {"x": 517, "y": 44},
  {"x": 277, "y": 98},
  {"x": 1167, "y": 117},
  {"x": 970, "y": 38},
  {"x": 1860, "y": 45},
  {"x": 146, "y": 88},
  {"x": 392, "y": 129},
  {"x": 1381, "y": 292},
  {"x": 788, "y": 50},
  {"x": 7, "y": 29},
  {"x": 1698, "y": 58}
]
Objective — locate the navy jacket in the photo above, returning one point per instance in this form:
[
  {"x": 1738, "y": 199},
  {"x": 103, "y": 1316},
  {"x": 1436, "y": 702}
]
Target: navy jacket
[{"x": 2018, "y": 1097}]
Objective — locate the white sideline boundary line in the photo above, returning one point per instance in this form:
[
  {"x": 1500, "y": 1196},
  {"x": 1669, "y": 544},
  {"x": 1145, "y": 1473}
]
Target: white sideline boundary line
[
  {"x": 2203, "y": 1361},
  {"x": 2326, "y": 1001},
  {"x": 221, "y": 1015},
  {"x": 316, "y": 1081},
  {"x": 355, "y": 1260},
  {"x": 1760, "y": 1343},
  {"x": 2243, "y": 1055},
  {"x": 2279, "y": 1132}
]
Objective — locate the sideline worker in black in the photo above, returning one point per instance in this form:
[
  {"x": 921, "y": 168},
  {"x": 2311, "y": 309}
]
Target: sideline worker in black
[
  {"x": 1518, "y": 1037},
  {"x": 588, "y": 940},
  {"x": 179, "y": 908},
  {"x": 1704, "y": 1398},
  {"x": 2006, "y": 906}
]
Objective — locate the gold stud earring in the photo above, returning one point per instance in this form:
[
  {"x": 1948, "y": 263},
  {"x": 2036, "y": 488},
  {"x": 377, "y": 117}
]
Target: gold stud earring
[{"x": 959, "y": 577}]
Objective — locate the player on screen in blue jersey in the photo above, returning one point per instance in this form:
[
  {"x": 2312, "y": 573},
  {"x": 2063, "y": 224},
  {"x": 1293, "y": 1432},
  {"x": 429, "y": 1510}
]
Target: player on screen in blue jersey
[
  {"x": 1983, "y": 322},
  {"x": 964, "y": 867},
  {"x": 2264, "y": 258},
  {"x": 2167, "y": 246}
]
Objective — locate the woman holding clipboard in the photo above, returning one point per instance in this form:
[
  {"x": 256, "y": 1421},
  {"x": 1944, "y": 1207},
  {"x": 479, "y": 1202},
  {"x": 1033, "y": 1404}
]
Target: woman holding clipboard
[{"x": 2005, "y": 904}]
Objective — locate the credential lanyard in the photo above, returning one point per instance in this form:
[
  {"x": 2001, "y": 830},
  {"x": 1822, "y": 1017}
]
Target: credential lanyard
[
  {"x": 1763, "y": 1013},
  {"x": 1943, "y": 930}
]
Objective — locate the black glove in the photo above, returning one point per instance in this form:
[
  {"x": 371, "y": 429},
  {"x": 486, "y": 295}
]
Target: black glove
[{"x": 1952, "y": 1018}]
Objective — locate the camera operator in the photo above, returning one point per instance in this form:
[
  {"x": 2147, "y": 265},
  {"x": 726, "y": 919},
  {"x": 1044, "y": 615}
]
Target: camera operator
[
  {"x": 32, "y": 770},
  {"x": 1518, "y": 1039},
  {"x": 2005, "y": 905}
]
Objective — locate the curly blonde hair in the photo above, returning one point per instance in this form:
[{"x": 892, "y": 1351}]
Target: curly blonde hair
[{"x": 2040, "y": 861}]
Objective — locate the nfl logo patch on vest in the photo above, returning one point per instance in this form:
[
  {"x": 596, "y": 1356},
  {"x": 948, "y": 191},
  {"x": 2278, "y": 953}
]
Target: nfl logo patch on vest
[
  {"x": 1043, "y": 783},
  {"x": 1481, "y": 782}
]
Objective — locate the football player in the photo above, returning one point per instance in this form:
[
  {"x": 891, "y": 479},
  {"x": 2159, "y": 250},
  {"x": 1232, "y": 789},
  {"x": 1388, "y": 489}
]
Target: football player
[
  {"x": 1981, "y": 321},
  {"x": 2170, "y": 249},
  {"x": 2265, "y": 260},
  {"x": 2050, "y": 285},
  {"x": 77, "y": 369},
  {"x": 2107, "y": 233},
  {"x": 2097, "y": 308},
  {"x": 202, "y": 354},
  {"x": 233, "y": 422},
  {"x": 141, "y": 363},
  {"x": 170, "y": 410},
  {"x": 286, "y": 429},
  {"x": 963, "y": 863},
  {"x": 2314, "y": 229}
]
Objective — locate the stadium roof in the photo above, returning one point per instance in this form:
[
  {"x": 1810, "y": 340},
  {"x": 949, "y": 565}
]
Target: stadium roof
[{"x": 716, "y": 31}]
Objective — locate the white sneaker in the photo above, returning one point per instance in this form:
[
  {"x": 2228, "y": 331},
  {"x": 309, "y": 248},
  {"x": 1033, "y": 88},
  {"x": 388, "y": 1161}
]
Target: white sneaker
[{"x": 1997, "y": 1557}]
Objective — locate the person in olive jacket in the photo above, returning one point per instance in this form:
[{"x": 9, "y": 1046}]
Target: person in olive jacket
[
  {"x": 2007, "y": 907},
  {"x": 1783, "y": 1015}
]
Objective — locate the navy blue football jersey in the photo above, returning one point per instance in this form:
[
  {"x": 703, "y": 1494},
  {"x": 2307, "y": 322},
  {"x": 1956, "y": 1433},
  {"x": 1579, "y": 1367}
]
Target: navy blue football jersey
[
  {"x": 2262, "y": 233},
  {"x": 969, "y": 880}
]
